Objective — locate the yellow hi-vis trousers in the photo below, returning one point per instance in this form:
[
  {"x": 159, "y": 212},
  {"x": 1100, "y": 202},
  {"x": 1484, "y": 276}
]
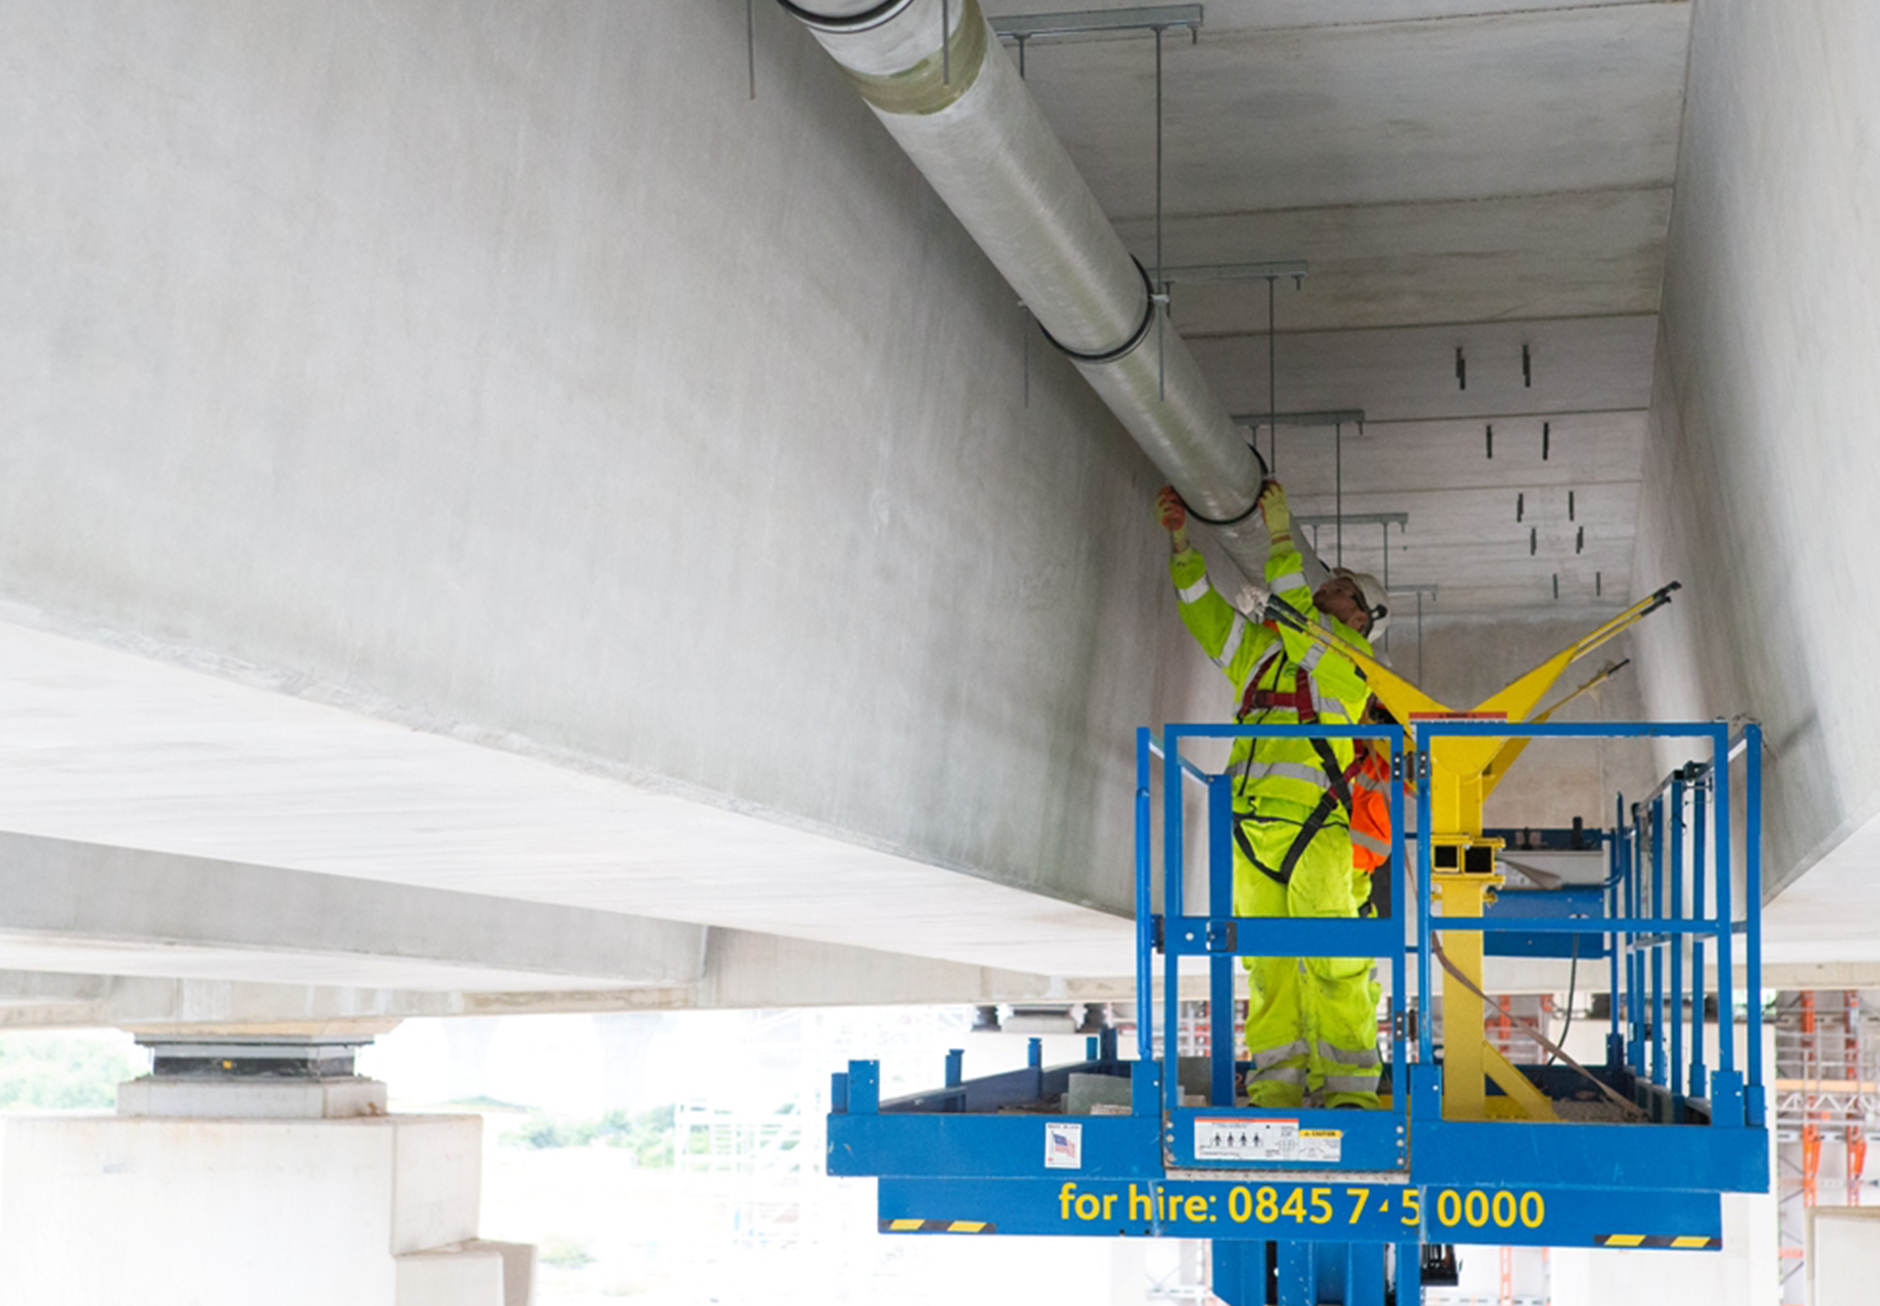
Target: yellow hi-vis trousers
[{"x": 1312, "y": 1021}]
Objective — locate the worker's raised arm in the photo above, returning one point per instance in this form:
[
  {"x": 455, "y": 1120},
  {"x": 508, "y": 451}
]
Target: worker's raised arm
[
  {"x": 1286, "y": 579},
  {"x": 1285, "y": 565},
  {"x": 1231, "y": 642}
]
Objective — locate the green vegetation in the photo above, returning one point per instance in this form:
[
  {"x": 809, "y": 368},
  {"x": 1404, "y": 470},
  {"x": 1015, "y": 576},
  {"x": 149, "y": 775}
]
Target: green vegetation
[
  {"x": 647, "y": 1135},
  {"x": 564, "y": 1253},
  {"x": 41, "y": 1071},
  {"x": 484, "y": 1102}
]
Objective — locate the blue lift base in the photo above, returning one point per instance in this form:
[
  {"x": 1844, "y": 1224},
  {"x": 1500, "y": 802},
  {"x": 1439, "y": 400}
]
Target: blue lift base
[{"x": 1315, "y": 1207}]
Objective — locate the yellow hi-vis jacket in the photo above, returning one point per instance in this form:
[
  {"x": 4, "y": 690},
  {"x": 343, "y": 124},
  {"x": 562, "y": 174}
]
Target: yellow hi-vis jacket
[{"x": 1264, "y": 662}]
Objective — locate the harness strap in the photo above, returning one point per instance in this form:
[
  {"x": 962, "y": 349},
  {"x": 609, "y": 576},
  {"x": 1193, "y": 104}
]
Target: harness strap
[
  {"x": 1339, "y": 788},
  {"x": 1308, "y": 704},
  {"x": 1308, "y": 831},
  {"x": 1304, "y": 705},
  {"x": 1249, "y": 699}
]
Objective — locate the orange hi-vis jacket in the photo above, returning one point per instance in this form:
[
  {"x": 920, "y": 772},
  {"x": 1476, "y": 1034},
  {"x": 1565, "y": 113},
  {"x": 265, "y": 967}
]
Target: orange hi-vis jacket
[{"x": 1370, "y": 807}]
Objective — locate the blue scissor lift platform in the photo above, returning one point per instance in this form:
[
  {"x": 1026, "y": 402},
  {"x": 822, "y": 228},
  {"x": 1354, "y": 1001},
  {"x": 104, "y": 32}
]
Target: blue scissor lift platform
[{"x": 1315, "y": 1207}]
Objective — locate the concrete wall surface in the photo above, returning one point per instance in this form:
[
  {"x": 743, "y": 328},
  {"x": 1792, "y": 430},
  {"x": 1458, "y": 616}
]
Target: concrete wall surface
[
  {"x": 451, "y": 1276},
  {"x": 228, "y": 1212},
  {"x": 1761, "y": 466},
  {"x": 495, "y": 371}
]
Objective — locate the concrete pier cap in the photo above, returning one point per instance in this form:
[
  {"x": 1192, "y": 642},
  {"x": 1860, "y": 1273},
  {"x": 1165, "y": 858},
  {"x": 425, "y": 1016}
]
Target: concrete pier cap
[
  {"x": 253, "y": 1155},
  {"x": 284, "y": 1072}
]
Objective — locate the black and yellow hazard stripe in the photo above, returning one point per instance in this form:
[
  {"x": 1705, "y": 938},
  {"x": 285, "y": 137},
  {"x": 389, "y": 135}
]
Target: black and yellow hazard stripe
[
  {"x": 1681, "y": 1242},
  {"x": 938, "y": 1226}
]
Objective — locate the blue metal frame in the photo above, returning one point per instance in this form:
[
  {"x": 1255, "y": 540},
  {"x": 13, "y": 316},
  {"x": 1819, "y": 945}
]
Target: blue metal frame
[{"x": 956, "y": 1159}]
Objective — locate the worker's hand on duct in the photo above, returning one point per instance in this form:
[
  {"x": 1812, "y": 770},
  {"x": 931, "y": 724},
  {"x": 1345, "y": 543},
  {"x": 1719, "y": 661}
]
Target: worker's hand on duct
[
  {"x": 1172, "y": 513},
  {"x": 1272, "y": 505}
]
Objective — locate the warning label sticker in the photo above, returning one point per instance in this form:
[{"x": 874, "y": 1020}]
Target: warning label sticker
[
  {"x": 1220, "y": 1138},
  {"x": 1063, "y": 1146}
]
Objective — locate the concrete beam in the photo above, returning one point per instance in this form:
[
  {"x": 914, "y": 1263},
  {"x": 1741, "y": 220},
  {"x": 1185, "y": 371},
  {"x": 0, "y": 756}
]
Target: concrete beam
[
  {"x": 1579, "y": 365},
  {"x": 79, "y": 907},
  {"x": 102, "y": 935},
  {"x": 1300, "y": 116},
  {"x": 747, "y": 972},
  {"x": 564, "y": 428},
  {"x": 144, "y": 754},
  {"x": 1553, "y": 255}
]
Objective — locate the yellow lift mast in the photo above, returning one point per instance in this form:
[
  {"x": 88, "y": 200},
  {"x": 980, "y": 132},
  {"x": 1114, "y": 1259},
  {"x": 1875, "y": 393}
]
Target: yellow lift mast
[{"x": 1462, "y": 774}]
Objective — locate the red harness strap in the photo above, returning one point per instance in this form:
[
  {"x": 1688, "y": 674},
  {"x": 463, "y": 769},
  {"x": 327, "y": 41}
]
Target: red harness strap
[
  {"x": 1307, "y": 706},
  {"x": 1299, "y": 700}
]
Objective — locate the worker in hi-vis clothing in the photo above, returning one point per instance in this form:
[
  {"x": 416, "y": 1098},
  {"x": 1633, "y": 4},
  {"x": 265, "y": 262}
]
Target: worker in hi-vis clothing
[
  {"x": 1311, "y": 1022},
  {"x": 1370, "y": 817}
]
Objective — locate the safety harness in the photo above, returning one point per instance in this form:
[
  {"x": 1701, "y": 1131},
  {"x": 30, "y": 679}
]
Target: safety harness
[{"x": 1304, "y": 704}]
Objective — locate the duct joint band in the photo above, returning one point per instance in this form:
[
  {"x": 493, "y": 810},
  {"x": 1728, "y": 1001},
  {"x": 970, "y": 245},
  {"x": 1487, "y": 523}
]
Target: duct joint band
[
  {"x": 1129, "y": 346},
  {"x": 871, "y": 17},
  {"x": 1226, "y": 521},
  {"x": 1235, "y": 521},
  {"x": 938, "y": 81}
]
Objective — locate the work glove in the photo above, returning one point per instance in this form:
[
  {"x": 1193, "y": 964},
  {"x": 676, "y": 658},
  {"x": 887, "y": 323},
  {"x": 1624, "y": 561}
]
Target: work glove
[
  {"x": 1172, "y": 514},
  {"x": 1273, "y": 507}
]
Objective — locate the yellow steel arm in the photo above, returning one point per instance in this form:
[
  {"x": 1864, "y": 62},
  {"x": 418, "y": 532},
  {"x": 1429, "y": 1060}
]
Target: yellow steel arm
[
  {"x": 1472, "y": 757},
  {"x": 1520, "y": 696},
  {"x": 1406, "y": 700},
  {"x": 1513, "y": 748}
]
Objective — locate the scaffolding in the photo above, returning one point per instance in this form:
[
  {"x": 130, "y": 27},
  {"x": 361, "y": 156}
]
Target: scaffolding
[{"x": 1827, "y": 1096}]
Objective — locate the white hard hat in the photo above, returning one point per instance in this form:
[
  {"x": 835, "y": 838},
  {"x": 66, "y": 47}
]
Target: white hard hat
[{"x": 1372, "y": 594}]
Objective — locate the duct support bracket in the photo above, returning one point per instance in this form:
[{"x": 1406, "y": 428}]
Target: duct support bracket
[
  {"x": 1085, "y": 22},
  {"x": 1267, "y": 270},
  {"x": 1399, "y": 519},
  {"x": 1320, "y": 417}
]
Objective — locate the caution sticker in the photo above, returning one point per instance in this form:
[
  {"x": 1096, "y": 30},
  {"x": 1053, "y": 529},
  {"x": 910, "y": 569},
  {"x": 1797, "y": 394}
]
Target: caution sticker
[{"x": 1225, "y": 1138}]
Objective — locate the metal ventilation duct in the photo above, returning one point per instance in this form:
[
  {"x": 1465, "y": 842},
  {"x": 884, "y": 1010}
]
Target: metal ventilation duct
[{"x": 966, "y": 119}]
